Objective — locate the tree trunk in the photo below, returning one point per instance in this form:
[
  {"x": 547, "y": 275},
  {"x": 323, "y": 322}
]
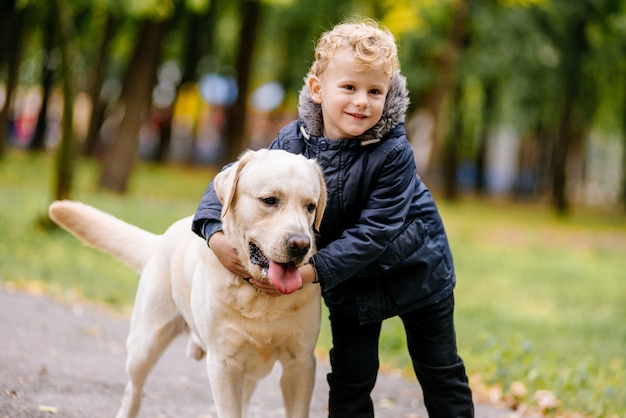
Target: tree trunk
[
  {"x": 481, "y": 153},
  {"x": 198, "y": 42},
  {"x": 65, "y": 153},
  {"x": 235, "y": 141},
  {"x": 459, "y": 38},
  {"x": 13, "y": 23},
  {"x": 575, "y": 47},
  {"x": 38, "y": 141},
  {"x": 135, "y": 101},
  {"x": 561, "y": 149},
  {"x": 445, "y": 84},
  {"x": 451, "y": 145},
  {"x": 95, "y": 87},
  {"x": 624, "y": 143}
]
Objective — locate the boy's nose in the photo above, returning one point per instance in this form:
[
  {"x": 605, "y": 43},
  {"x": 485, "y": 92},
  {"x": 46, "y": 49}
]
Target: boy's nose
[{"x": 360, "y": 99}]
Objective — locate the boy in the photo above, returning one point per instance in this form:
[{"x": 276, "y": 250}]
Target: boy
[{"x": 382, "y": 247}]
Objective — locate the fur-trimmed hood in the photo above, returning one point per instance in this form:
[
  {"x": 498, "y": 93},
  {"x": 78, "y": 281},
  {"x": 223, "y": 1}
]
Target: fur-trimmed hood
[{"x": 395, "y": 108}]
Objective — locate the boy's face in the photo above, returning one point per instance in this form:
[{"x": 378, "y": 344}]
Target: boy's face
[{"x": 352, "y": 101}]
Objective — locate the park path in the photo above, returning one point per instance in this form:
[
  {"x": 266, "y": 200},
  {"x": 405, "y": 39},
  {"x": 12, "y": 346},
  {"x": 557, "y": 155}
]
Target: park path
[{"x": 67, "y": 360}]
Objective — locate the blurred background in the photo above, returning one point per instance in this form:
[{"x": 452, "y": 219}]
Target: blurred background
[
  {"x": 517, "y": 119},
  {"x": 521, "y": 98}
]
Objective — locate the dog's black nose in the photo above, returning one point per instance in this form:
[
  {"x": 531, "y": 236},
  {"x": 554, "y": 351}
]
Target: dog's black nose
[{"x": 298, "y": 245}]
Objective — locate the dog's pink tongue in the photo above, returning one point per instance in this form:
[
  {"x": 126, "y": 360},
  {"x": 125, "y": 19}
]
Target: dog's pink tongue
[{"x": 285, "y": 277}]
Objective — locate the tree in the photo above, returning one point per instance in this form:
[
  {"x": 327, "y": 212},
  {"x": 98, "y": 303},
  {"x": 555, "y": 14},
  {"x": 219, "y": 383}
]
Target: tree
[
  {"x": 12, "y": 24},
  {"x": 235, "y": 140},
  {"x": 624, "y": 142},
  {"x": 37, "y": 142},
  {"x": 450, "y": 97},
  {"x": 573, "y": 46},
  {"x": 97, "y": 77},
  {"x": 568, "y": 24},
  {"x": 198, "y": 27},
  {"x": 134, "y": 102},
  {"x": 65, "y": 155}
]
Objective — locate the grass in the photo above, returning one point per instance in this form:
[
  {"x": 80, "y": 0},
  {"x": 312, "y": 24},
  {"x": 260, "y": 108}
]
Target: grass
[
  {"x": 55, "y": 262},
  {"x": 540, "y": 300}
]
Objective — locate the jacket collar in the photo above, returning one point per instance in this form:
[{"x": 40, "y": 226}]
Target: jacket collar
[{"x": 395, "y": 108}]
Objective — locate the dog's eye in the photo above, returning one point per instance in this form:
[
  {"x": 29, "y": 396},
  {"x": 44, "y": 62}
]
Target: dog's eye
[
  {"x": 271, "y": 201},
  {"x": 311, "y": 207}
]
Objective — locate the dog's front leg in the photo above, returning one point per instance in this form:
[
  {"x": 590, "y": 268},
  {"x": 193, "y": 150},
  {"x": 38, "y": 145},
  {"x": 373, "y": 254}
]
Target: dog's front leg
[
  {"x": 297, "y": 383},
  {"x": 227, "y": 385}
]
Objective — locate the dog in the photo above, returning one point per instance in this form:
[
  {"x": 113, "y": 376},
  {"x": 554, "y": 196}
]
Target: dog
[{"x": 273, "y": 202}]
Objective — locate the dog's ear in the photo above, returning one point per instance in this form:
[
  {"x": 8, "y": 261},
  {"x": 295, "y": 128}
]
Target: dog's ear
[
  {"x": 321, "y": 204},
  {"x": 225, "y": 182}
]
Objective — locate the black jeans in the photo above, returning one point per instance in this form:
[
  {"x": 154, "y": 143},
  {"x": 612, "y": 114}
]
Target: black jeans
[{"x": 431, "y": 342}]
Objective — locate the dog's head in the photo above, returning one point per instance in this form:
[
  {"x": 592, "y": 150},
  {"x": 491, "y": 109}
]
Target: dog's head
[{"x": 272, "y": 203}]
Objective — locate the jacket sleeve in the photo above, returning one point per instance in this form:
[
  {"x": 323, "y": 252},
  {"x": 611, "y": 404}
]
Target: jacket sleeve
[
  {"x": 381, "y": 219},
  {"x": 207, "y": 219}
]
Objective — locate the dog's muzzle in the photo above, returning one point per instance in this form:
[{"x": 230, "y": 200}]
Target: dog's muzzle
[{"x": 283, "y": 275}]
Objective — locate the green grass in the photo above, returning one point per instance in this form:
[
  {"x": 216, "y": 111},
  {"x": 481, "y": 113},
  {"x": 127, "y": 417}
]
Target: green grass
[
  {"x": 540, "y": 300},
  {"x": 55, "y": 262}
]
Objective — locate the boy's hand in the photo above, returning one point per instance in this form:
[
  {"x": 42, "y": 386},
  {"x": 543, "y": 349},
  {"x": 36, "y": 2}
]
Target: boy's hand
[
  {"x": 226, "y": 254},
  {"x": 265, "y": 287},
  {"x": 307, "y": 272},
  {"x": 229, "y": 258}
]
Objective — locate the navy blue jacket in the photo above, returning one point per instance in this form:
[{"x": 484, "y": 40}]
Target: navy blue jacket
[{"x": 382, "y": 247}]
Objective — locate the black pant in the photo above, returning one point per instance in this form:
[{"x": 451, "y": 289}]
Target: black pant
[{"x": 431, "y": 341}]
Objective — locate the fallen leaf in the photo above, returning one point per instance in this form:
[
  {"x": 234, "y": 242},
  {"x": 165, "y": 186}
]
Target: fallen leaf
[
  {"x": 518, "y": 390},
  {"x": 48, "y": 409},
  {"x": 546, "y": 401}
]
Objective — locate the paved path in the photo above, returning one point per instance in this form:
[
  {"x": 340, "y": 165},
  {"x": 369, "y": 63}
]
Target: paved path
[{"x": 60, "y": 360}]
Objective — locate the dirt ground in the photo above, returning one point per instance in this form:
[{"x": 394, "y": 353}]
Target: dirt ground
[{"x": 67, "y": 360}]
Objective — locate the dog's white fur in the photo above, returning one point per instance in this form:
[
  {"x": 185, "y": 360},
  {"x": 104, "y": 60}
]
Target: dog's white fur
[{"x": 268, "y": 197}]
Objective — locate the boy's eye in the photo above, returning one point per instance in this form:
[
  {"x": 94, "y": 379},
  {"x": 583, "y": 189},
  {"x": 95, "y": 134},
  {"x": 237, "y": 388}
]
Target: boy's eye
[
  {"x": 349, "y": 87},
  {"x": 375, "y": 91}
]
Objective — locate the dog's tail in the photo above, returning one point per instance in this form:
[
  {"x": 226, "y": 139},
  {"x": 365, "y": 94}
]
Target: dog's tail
[{"x": 131, "y": 245}]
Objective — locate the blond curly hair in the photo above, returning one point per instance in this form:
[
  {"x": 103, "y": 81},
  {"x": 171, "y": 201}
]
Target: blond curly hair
[{"x": 372, "y": 45}]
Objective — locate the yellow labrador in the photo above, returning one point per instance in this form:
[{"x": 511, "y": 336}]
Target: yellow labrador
[{"x": 271, "y": 199}]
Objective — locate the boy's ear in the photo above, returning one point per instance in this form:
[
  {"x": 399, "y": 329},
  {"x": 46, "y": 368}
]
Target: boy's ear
[{"x": 315, "y": 88}]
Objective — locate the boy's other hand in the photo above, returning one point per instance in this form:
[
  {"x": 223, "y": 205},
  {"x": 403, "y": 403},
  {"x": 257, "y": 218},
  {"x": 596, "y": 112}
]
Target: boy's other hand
[{"x": 265, "y": 287}]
